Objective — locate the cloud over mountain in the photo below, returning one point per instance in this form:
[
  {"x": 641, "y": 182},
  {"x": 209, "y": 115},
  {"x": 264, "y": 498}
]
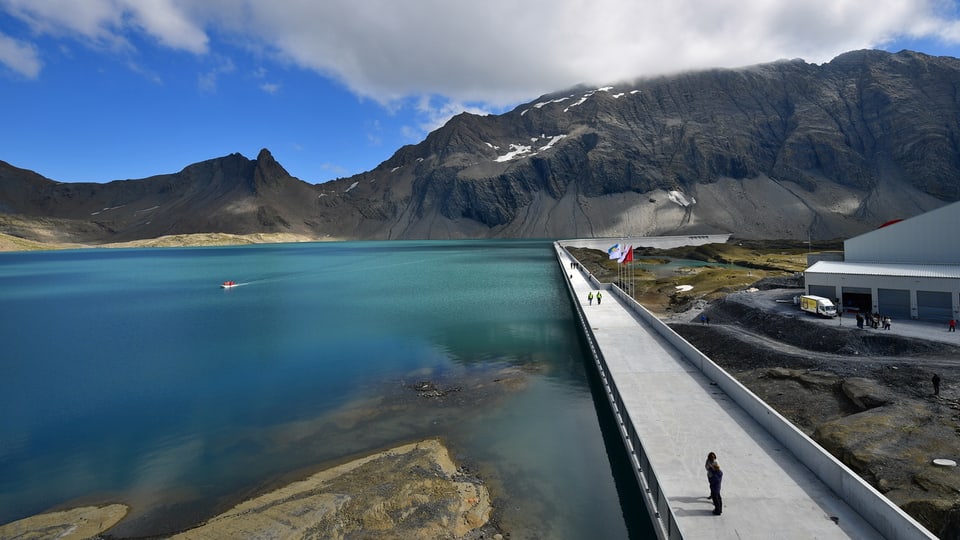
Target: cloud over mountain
[{"x": 495, "y": 52}]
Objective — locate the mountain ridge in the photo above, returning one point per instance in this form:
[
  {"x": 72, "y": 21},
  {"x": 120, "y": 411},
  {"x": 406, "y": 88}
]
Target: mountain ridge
[{"x": 784, "y": 149}]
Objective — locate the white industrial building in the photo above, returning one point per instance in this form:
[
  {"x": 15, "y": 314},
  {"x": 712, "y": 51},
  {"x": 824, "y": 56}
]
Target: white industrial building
[{"x": 908, "y": 269}]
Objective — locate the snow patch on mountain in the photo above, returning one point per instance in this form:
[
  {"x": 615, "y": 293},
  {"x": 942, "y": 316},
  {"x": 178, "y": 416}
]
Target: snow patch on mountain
[
  {"x": 553, "y": 141},
  {"x": 681, "y": 199},
  {"x": 516, "y": 150},
  {"x": 584, "y": 97},
  {"x": 524, "y": 150},
  {"x": 542, "y": 104}
]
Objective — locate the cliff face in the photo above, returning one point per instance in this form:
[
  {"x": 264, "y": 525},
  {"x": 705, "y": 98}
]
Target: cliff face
[{"x": 780, "y": 150}]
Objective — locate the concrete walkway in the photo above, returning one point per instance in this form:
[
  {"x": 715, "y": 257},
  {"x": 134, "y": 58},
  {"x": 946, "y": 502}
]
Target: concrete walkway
[{"x": 680, "y": 416}]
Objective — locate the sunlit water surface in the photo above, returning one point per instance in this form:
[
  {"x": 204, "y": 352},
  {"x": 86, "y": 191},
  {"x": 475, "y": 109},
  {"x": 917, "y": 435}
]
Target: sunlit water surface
[{"x": 129, "y": 375}]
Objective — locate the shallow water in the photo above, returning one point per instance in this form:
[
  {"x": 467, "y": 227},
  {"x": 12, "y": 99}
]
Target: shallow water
[
  {"x": 130, "y": 376},
  {"x": 676, "y": 267}
]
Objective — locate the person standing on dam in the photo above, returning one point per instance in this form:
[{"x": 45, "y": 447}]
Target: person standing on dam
[
  {"x": 715, "y": 479},
  {"x": 708, "y": 465}
]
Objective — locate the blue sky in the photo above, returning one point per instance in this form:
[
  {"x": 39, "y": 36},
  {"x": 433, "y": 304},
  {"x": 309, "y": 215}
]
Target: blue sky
[{"x": 101, "y": 90}]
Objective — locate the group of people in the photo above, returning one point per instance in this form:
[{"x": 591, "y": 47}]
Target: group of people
[
  {"x": 873, "y": 320},
  {"x": 590, "y": 297}
]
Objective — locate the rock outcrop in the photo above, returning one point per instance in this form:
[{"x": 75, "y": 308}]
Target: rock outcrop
[{"x": 411, "y": 491}]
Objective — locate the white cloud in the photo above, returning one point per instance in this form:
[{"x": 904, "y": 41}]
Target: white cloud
[
  {"x": 207, "y": 81},
  {"x": 500, "y": 51},
  {"x": 374, "y": 131},
  {"x": 435, "y": 111},
  {"x": 21, "y": 57},
  {"x": 108, "y": 22},
  {"x": 270, "y": 88},
  {"x": 494, "y": 53}
]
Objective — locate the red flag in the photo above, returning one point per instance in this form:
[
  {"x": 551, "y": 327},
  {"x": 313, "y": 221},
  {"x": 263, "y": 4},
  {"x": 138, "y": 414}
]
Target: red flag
[{"x": 627, "y": 255}]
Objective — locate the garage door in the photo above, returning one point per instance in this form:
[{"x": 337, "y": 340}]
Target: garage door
[
  {"x": 934, "y": 306},
  {"x": 857, "y": 299},
  {"x": 894, "y": 303}
]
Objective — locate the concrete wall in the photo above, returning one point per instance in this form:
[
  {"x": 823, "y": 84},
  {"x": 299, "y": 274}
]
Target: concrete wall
[{"x": 912, "y": 284}]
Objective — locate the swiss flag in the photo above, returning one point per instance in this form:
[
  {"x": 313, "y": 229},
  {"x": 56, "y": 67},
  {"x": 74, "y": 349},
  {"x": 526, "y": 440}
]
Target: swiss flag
[{"x": 627, "y": 255}]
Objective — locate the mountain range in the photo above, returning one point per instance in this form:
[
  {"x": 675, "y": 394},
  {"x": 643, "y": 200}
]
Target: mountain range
[{"x": 783, "y": 150}]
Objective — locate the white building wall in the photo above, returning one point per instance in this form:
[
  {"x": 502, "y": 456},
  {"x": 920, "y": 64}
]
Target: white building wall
[
  {"x": 931, "y": 238},
  {"x": 912, "y": 284}
]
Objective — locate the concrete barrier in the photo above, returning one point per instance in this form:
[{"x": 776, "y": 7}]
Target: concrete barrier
[{"x": 886, "y": 517}]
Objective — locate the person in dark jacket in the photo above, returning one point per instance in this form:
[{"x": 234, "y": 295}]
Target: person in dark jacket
[
  {"x": 716, "y": 477},
  {"x": 708, "y": 465}
]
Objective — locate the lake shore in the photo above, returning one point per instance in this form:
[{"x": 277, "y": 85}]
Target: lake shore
[
  {"x": 410, "y": 491},
  {"x": 15, "y": 243}
]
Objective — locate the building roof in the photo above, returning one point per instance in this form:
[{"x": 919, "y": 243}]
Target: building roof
[{"x": 945, "y": 271}]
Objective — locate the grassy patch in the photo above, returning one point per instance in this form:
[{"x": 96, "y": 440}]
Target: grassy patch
[
  {"x": 738, "y": 265},
  {"x": 15, "y": 243}
]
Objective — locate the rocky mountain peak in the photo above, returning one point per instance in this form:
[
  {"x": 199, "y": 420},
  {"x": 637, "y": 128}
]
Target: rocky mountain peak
[
  {"x": 268, "y": 173},
  {"x": 784, "y": 150}
]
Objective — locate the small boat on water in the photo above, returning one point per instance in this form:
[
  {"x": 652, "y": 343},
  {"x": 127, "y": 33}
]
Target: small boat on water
[{"x": 228, "y": 284}]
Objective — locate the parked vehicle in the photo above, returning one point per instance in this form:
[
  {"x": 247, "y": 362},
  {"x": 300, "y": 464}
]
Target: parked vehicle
[{"x": 818, "y": 305}]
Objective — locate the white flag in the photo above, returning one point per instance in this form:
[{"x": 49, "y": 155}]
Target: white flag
[{"x": 614, "y": 252}]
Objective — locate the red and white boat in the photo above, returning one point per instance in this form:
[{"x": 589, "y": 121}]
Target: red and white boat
[{"x": 228, "y": 284}]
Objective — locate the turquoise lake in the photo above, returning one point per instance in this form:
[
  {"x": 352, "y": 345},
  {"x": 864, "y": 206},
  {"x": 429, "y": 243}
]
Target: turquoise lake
[{"x": 130, "y": 376}]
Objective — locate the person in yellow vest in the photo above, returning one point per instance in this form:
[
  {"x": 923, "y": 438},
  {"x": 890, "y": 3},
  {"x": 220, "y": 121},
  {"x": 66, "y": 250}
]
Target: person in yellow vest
[
  {"x": 590, "y": 298},
  {"x": 599, "y": 296}
]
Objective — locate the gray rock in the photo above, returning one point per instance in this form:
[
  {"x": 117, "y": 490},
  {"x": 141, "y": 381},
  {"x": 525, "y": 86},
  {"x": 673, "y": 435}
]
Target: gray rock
[{"x": 867, "y": 393}]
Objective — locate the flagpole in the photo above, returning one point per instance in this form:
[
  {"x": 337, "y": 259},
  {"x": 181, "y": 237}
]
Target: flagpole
[{"x": 620, "y": 266}]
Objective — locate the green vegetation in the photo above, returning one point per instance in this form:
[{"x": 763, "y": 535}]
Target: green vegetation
[{"x": 719, "y": 270}]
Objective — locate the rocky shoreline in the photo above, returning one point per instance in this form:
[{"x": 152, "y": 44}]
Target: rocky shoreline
[
  {"x": 411, "y": 491},
  {"x": 74, "y": 524}
]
